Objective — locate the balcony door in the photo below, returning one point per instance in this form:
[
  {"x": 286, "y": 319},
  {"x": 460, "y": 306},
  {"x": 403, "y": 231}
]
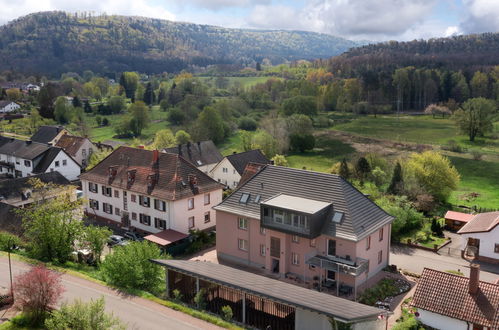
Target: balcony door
[{"x": 275, "y": 247}]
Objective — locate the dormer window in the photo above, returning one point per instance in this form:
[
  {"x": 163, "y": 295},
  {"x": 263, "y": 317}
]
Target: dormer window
[
  {"x": 131, "y": 177},
  {"x": 112, "y": 171},
  {"x": 337, "y": 217},
  {"x": 244, "y": 198}
]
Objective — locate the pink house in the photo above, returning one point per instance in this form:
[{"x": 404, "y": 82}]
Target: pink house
[{"x": 314, "y": 227}]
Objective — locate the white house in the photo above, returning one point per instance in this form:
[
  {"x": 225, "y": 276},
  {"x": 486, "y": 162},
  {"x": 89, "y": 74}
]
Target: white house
[
  {"x": 230, "y": 169},
  {"x": 203, "y": 154},
  {"x": 8, "y": 106},
  {"x": 24, "y": 158},
  {"x": 451, "y": 302},
  {"x": 78, "y": 147},
  {"x": 480, "y": 237},
  {"x": 151, "y": 192}
]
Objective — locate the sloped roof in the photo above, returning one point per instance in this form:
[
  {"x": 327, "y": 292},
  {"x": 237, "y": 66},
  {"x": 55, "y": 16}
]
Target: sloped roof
[
  {"x": 22, "y": 149},
  {"x": 4, "y": 103},
  {"x": 166, "y": 237},
  {"x": 47, "y": 159},
  {"x": 9, "y": 220},
  {"x": 250, "y": 170},
  {"x": 481, "y": 222},
  {"x": 448, "y": 294},
  {"x": 198, "y": 153},
  {"x": 289, "y": 294},
  {"x": 173, "y": 174},
  {"x": 46, "y": 133},
  {"x": 361, "y": 215},
  {"x": 13, "y": 188},
  {"x": 240, "y": 160},
  {"x": 71, "y": 144},
  {"x": 458, "y": 216}
]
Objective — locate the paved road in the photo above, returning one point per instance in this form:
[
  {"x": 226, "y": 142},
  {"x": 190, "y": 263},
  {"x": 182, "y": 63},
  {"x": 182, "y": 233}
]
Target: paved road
[
  {"x": 137, "y": 312},
  {"x": 414, "y": 260}
]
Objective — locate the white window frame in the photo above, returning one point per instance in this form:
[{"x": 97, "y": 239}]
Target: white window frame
[
  {"x": 190, "y": 204},
  {"x": 242, "y": 244},
  {"x": 207, "y": 199},
  {"x": 193, "y": 222},
  {"x": 263, "y": 250},
  {"x": 295, "y": 258},
  {"x": 295, "y": 239},
  {"x": 242, "y": 223}
]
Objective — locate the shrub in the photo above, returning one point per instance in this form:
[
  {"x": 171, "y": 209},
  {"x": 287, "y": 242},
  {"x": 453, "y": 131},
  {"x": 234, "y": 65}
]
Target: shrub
[
  {"x": 129, "y": 266},
  {"x": 105, "y": 122},
  {"x": 477, "y": 155},
  {"x": 8, "y": 241},
  {"x": 247, "y": 124},
  {"x": 302, "y": 142},
  {"x": 453, "y": 146},
  {"x": 199, "y": 299},
  {"x": 227, "y": 313},
  {"x": 83, "y": 316},
  {"x": 280, "y": 160},
  {"x": 37, "y": 291},
  {"x": 385, "y": 288},
  {"x": 177, "y": 296}
]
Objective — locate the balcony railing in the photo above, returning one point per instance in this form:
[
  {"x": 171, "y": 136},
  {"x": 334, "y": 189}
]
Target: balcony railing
[
  {"x": 268, "y": 221},
  {"x": 338, "y": 264},
  {"x": 7, "y": 164}
]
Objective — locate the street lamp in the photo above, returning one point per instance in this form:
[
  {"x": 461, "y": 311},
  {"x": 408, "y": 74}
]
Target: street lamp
[{"x": 10, "y": 247}]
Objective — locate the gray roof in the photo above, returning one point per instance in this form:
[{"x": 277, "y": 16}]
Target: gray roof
[
  {"x": 22, "y": 149},
  {"x": 240, "y": 160},
  {"x": 47, "y": 159},
  {"x": 289, "y": 294},
  {"x": 198, "y": 153},
  {"x": 47, "y": 133},
  {"x": 13, "y": 188},
  {"x": 361, "y": 216},
  {"x": 4, "y": 103}
]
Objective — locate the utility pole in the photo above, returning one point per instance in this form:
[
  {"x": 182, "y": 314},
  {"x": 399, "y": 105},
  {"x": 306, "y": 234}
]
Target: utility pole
[{"x": 10, "y": 268}]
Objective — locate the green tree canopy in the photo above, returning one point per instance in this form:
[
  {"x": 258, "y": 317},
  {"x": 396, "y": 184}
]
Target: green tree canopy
[
  {"x": 300, "y": 104},
  {"x": 182, "y": 137},
  {"x": 475, "y": 117},
  {"x": 210, "y": 126},
  {"x": 434, "y": 173},
  {"x": 163, "y": 139},
  {"x": 139, "y": 117}
]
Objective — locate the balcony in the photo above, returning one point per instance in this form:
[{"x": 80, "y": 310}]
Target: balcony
[
  {"x": 7, "y": 164},
  {"x": 269, "y": 222},
  {"x": 338, "y": 264}
]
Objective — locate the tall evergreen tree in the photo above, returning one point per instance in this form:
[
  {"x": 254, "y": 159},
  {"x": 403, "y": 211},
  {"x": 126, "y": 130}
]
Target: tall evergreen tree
[
  {"x": 397, "y": 183},
  {"x": 344, "y": 171},
  {"x": 149, "y": 94},
  {"x": 76, "y": 102},
  {"x": 87, "y": 107}
]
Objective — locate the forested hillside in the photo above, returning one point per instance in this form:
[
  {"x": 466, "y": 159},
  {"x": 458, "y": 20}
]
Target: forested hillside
[
  {"x": 465, "y": 52},
  {"x": 56, "y": 42}
]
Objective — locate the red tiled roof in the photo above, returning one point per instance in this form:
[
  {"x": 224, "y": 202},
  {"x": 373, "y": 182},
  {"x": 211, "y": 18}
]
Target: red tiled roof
[
  {"x": 165, "y": 237},
  {"x": 71, "y": 144},
  {"x": 481, "y": 222},
  {"x": 458, "y": 216},
  {"x": 172, "y": 180},
  {"x": 447, "y": 294},
  {"x": 250, "y": 170}
]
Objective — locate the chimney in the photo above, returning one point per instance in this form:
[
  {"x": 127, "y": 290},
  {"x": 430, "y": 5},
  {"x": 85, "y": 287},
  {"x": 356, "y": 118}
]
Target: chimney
[
  {"x": 140, "y": 147},
  {"x": 199, "y": 145},
  {"x": 28, "y": 142},
  {"x": 474, "y": 278},
  {"x": 188, "y": 146},
  {"x": 155, "y": 157},
  {"x": 180, "y": 149}
]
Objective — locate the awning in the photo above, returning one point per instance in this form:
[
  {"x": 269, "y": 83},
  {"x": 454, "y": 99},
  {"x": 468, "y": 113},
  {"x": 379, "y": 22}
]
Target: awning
[{"x": 166, "y": 237}]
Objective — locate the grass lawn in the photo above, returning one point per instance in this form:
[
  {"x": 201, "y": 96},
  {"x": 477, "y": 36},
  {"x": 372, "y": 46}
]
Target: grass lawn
[
  {"x": 431, "y": 239},
  {"x": 245, "y": 81},
  {"x": 418, "y": 129},
  {"x": 158, "y": 121},
  {"x": 481, "y": 177}
]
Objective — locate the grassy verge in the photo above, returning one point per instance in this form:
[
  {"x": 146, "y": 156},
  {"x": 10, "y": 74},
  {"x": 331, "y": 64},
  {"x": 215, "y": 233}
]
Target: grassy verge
[{"x": 91, "y": 274}]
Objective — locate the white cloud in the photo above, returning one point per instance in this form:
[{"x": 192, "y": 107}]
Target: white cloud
[
  {"x": 452, "y": 31},
  {"x": 275, "y": 17},
  {"x": 11, "y": 10},
  {"x": 221, "y": 4},
  {"x": 482, "y": 16}
]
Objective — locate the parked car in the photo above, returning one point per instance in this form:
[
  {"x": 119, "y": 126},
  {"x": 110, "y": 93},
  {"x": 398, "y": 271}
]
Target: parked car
[
  {"x": 133, "y": 236},
  {"x": 115, "y": 240}
]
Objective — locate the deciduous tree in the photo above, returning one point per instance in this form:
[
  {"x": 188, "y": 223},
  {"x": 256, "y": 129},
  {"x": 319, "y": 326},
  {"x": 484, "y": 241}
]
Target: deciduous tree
[{"x": 475, "y": 117}]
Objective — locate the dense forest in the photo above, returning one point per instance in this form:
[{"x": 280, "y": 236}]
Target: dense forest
[{"x": 51, "y": 43}]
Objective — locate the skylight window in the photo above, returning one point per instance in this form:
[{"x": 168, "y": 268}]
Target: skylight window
[
  {"x": 199, "y": 162},
  {"x": 257, "y": 199},
  {"x": 244, "y": 198},
  {"x": 337, "y": 217}
]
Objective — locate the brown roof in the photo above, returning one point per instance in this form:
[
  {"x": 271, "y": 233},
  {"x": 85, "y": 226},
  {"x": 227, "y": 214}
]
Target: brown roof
[
  {"x": 250, "y": 170},
  {"x": 71, "y": 144},
  {"x": 447, "y": 294},
  {"x": 166, "y": 237},
  {"x": 458, "y": 216},
  {"x": 481, "y": 222},
  {"x": 240, "y": 160},
  {"x": 175, "y": 176}
]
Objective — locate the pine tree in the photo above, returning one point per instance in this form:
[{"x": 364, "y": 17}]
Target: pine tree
[
  {"x": 149, "y": 95},
  {"x": 362, "y": 169},
  {"x": 397, "y": 183},
  {"x": 76, "y": 102},
  {"x": 344, "y": 171}
]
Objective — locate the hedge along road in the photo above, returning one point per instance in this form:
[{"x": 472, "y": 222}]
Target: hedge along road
[{"x": 137, "y": 312}]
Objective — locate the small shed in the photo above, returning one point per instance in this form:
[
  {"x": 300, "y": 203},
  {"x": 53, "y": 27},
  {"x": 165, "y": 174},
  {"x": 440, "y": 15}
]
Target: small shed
[{"x": 456, "y": 220}]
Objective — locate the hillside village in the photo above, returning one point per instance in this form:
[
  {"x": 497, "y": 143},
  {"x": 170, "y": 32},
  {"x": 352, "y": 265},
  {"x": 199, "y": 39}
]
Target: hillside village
[{"x": 357, "y": 192}]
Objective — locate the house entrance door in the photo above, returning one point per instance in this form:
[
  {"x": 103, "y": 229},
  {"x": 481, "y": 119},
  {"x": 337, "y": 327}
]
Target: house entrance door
[
  {"x": 125, "y": 220},
  {"x": 275, "y": 247}
]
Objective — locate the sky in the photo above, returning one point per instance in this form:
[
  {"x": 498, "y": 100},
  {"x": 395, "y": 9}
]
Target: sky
[{"x": 375, "y": 20}]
